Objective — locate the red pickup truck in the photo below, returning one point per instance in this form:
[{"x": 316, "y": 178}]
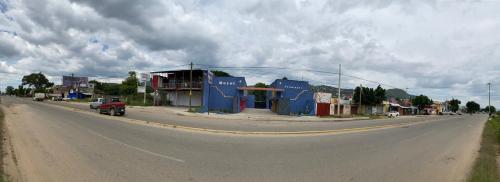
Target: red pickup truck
[{"x": 112, "y": 107}]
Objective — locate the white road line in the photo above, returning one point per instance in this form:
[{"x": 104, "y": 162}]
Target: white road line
[{"x": 134, "y": 147}]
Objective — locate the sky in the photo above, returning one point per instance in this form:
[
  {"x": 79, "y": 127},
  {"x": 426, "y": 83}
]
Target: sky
[{"x": 441, "y": 48}]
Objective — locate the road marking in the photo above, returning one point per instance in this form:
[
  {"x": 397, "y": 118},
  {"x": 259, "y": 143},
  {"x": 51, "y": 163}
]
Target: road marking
[{"x": 133, "y": 147}]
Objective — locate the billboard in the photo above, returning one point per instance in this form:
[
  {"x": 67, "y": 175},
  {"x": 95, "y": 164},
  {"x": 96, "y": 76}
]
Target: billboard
[
  {"x": 75, "y": 81},
  {"x": 144, "y": 78}
]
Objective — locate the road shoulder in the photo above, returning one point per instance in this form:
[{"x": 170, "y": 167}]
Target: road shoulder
[{"x": 486, "y": 166}]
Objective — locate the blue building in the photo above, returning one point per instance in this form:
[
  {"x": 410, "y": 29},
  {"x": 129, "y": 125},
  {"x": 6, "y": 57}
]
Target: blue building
[
  {"x": 296, "y": 98},
  {"x": 176, "y": 89},
  {"x": 229, "y": 94},
  {"x": 224, "y": 94}
]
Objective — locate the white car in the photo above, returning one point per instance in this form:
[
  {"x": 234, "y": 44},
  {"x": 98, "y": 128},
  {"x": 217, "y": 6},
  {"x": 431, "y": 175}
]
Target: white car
[
  {"x": 95, "y": 103},
  {"x": 392, "y": 114}
]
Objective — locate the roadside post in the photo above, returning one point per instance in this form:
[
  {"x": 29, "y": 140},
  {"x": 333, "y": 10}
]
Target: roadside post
[
  {"x": 144, "y": 81},
  {"x": 338, "y": 108},
  {"x": 210, "y": 77},
  {"x": 190, "y": 84}
]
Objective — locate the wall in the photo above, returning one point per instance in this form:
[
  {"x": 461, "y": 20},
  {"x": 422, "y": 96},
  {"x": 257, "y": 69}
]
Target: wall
[
  {"x": 223, "y": 93},
  {"x": 181, "y": 98},
  {"x": 250, "y": 101},
  {"x": 301, "y": 98}
]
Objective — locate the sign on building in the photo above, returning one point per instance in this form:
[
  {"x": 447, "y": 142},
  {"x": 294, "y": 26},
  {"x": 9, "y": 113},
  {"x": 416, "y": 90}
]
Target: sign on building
[{"x": 321, "y": 97}]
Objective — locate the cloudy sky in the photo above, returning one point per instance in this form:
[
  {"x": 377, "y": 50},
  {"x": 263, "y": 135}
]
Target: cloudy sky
[{"x": 441, "y": 48}]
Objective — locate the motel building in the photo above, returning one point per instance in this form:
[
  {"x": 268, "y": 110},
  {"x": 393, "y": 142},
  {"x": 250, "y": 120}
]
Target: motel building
[{"x": 229, "y": 94}]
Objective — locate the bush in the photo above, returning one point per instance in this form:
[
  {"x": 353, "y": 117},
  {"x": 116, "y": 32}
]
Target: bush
[{"x": 138, "y": 100}]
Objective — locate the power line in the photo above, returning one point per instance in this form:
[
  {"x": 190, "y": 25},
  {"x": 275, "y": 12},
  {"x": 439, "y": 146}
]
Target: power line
[{"x": 333, "y": 73}]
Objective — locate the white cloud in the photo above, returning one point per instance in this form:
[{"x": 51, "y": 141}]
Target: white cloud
[{"x": 438, "y": 48}]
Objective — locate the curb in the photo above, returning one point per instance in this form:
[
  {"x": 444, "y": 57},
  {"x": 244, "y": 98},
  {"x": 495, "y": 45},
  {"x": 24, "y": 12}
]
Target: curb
[{"x": 236, "y": 132}]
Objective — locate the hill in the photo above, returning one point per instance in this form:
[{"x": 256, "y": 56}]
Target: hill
[
  {"x": 397, "y": 93},
  {"x": 332, "y": 90}
]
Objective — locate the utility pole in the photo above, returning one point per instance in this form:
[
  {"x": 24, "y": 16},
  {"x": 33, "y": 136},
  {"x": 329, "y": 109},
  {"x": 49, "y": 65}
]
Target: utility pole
[
  {"x": 338, "y": 103},
  {"x": 190, "y": 84},
  {"x": 489, "y": 98},
  {"x": 407, "y": 94},
  {"x": 145, "y": 87},
  {"x": 360, "y": 96}
]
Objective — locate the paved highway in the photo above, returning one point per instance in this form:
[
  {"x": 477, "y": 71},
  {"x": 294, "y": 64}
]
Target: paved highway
[{"x": 55, "y": 144}]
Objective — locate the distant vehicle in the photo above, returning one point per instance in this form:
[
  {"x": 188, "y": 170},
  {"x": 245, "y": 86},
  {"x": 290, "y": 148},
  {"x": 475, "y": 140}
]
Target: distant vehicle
[
  {"x": 39, "y": 97},
  {"x": 95, "y": 103},
  {"x": 112, "y": 107},
  {"x": 392, "y": 114},
  {"x": 58, "y": 98}
]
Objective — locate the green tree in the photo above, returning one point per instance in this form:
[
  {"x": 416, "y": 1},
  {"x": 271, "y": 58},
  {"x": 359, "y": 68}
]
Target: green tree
[
  {"x": 98, "y": 86},
  {"x": 379, "y": 95},
  {"x": 369, "y": 96},
  {"x": 129, "y": 85},
  {"x": 111, "y": 88},
  {"x": 472, "y": 107},
  {"x": 38, "y": 81},
  {"x": 454, "y": 105},
  {"x": 260, "y": 96},
  {"x": 10, "y": 90},
  {"x": 493, "y": 109},
  {"x": 220, "y": 73},
  {"x": 20, "y": 91},
  {"x": 421, "y": 101}
]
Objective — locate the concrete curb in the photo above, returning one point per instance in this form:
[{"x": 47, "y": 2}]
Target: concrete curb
[
  {"x": 296, "y": 119},
  {"x": 243, "y": 133}
]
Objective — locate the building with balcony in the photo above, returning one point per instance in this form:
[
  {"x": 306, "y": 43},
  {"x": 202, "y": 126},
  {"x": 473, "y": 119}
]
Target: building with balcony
[{"x": 173, "y": 87}]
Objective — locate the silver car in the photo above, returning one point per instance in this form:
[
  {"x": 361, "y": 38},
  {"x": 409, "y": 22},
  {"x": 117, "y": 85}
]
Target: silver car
[{"x": 95, "y": 103}]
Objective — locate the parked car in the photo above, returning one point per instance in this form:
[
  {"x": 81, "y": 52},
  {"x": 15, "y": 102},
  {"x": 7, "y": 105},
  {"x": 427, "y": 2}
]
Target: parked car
[
  {"x": 38, "y": 96},
  {"x": 392, "y": 114},
  {"x": 58, "y": 98},
  {"x": 95, "y": 103},
  {"x": 112, "y": 107}
]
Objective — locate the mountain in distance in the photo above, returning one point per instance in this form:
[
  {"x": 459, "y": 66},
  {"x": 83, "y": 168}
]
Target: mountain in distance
[
  {"x": 397, "y": 93},
  {"x": 389, "y": 93},
  {"x": 332, "y": 90}
]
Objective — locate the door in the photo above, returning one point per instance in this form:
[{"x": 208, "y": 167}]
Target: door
[{"x": 322, "y": 109}]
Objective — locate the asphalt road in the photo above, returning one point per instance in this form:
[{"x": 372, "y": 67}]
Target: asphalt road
[
  {"x": 167, "y": 117},
  {"x": 54, "y": 144}
]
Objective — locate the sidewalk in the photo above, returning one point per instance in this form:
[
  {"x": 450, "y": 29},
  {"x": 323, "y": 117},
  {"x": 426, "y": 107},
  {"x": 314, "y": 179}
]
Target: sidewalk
[{"x": 253, "y": 114}]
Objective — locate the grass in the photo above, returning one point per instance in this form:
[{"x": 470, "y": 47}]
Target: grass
[
  {"x": 486, "y": 168},
  {"x": 138, "y": 100},
  {"x": 81, "y": 100}
]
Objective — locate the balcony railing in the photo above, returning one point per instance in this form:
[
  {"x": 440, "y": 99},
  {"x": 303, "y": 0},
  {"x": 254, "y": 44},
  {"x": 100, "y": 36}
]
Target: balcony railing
[{"x": 182, "y": 85}]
